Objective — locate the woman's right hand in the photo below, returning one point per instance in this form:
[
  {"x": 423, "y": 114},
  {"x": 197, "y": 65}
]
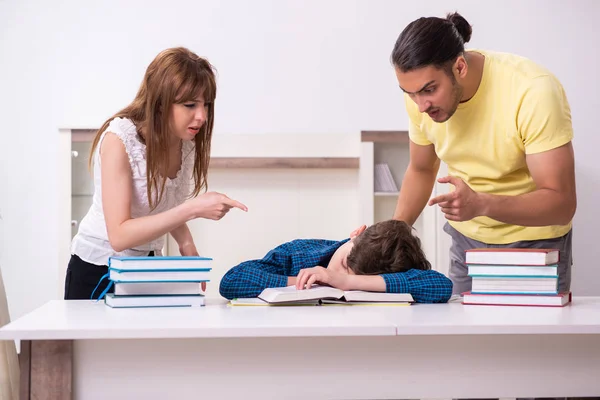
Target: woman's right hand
[{"x": 213, "y": 205}]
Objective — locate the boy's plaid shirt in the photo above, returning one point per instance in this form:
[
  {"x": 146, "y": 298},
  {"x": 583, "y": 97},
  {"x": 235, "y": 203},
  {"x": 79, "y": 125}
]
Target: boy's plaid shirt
[{"x": 250, "y": 278}]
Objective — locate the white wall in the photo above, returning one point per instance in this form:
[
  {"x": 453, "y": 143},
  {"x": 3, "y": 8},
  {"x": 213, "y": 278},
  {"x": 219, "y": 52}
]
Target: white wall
[{"x": 284, "y": 66}]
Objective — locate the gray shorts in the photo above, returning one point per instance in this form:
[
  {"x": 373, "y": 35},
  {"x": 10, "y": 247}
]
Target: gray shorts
[{"x": 460, "y": 243}]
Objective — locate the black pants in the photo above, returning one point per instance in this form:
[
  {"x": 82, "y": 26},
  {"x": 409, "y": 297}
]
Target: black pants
[{"x": 82, "y": 278}]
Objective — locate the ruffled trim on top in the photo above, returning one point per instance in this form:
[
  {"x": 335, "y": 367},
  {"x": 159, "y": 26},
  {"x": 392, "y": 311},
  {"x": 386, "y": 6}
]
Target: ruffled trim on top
[
  {"x": 181, "y": 186},
  {"x": 127, "y": 132}
]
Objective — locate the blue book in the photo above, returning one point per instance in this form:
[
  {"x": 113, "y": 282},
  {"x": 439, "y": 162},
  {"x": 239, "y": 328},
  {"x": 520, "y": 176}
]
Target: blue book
[
  {"x": 161, "y": 263},
  {"x": 153, "y": 301},
  {"x": 157, "y": 271},
  {"x": 159, "y": 275},
  {"x": 156, "y": 288}
]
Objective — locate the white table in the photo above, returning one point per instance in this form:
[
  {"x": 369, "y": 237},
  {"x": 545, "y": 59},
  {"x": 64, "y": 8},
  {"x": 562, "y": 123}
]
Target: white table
[{"x": 222, "y": 352}]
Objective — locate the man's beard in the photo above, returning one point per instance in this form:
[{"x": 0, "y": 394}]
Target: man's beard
[{"x": 457, "y": 92}]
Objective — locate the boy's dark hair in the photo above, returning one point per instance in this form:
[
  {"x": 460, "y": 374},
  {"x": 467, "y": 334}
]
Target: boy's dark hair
[
  {"x": 431, "y": 41},
  {"x": 385, "y": 247}
]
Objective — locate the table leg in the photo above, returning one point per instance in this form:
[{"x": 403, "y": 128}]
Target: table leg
[{"x": 46, "y": 369}]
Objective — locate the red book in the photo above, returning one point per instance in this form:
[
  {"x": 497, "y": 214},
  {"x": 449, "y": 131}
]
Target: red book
[{"x": 558, "y": 300}]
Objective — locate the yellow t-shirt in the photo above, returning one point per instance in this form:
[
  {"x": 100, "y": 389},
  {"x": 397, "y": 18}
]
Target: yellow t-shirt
[{"x": 519, "y": 108}]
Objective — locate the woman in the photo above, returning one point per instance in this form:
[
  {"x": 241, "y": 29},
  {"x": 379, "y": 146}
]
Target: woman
[{"x": 145, "y": 158}]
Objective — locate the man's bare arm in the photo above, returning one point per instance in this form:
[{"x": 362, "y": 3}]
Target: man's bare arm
[
  {"x": 552, "y": 203},
  {"x": 417, "y": 183}
]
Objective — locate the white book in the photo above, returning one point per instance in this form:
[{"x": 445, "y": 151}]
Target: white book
[
  {"x": 515, "y": 285},
  {"x": 153, "y": 301},
  {"x": 156, "y": 288},
  {"x": 379, "y": 185},
  {"x": 255, "y": 301},
  {"x": 384, "y": 181},
  {"x": 512, "y": 256},
  {"x": 160, "y": 263},
  {"x": 290, "y": 294},
  {"x": 390, "y": 183},
  {"x": 512, "y": 270}
]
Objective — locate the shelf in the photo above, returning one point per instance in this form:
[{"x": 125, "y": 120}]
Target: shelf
[
  {"x": 87, "y": 135},
  {"x": 386, "y": 194},
  {"x": 83, "y": 135},
  {"x": 384, "y": 136},
  {"x": 284, "y": 162}
]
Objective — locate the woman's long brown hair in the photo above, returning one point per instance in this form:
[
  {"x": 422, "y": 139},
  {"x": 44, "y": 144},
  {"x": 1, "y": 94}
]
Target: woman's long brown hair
[{"x": 175, "y": 76}]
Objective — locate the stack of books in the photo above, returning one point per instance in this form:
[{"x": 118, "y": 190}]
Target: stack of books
[
  {"x": 514, "y": 276},
  {"x": 157, "y": 281}
]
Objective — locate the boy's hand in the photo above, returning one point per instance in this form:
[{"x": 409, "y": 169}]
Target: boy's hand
[{"x": 309, "y": 276}]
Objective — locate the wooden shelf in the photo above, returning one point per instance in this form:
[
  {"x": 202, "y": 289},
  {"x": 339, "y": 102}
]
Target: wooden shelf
[
  {"x": 87, "y": 135},
  {"x": 83, "y": 135},
  {"x": 284, "y": 162},
  {"x": 384, "y": 136}
]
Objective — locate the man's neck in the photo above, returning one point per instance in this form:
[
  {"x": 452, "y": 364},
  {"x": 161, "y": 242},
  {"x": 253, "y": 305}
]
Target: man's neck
[{"x": 475, "y": 74}]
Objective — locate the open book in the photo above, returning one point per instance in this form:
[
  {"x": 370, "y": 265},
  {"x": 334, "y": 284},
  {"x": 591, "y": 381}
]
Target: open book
[{"x": 324, "y": 295}]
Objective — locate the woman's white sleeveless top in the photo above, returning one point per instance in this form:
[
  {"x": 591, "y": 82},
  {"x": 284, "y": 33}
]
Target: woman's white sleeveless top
[{"x": 91, "y": 242}]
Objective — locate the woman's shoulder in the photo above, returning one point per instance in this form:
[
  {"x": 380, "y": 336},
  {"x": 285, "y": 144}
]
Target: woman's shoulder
[
  {"x": 126, "y": 131},
  {"x": 122, "y": 127}
]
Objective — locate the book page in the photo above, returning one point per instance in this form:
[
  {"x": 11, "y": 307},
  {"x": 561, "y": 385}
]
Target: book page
[
  {"x": 290, "y": 294},
  {"x": 363, "y": 303},
  {"x": 249, "y": 301},
  {"x": 359, "y": 295}
]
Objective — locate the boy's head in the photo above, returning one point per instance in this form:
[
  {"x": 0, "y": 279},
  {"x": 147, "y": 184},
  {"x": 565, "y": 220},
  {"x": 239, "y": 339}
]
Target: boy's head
[{"x": 385, "y": 247}]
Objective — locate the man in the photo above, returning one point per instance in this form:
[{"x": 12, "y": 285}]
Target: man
[
  {"x": 502, "y": 124},
  {"x": 386, "y": 257}
]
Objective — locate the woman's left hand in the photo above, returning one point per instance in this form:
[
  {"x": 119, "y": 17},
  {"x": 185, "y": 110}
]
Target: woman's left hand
[{"x": 189, "y": 250}]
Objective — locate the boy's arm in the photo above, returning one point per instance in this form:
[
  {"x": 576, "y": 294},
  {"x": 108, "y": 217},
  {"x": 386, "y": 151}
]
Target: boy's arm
[
  {"x": 426, "y": 286},
  {"x": 250, "y": 278}
]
